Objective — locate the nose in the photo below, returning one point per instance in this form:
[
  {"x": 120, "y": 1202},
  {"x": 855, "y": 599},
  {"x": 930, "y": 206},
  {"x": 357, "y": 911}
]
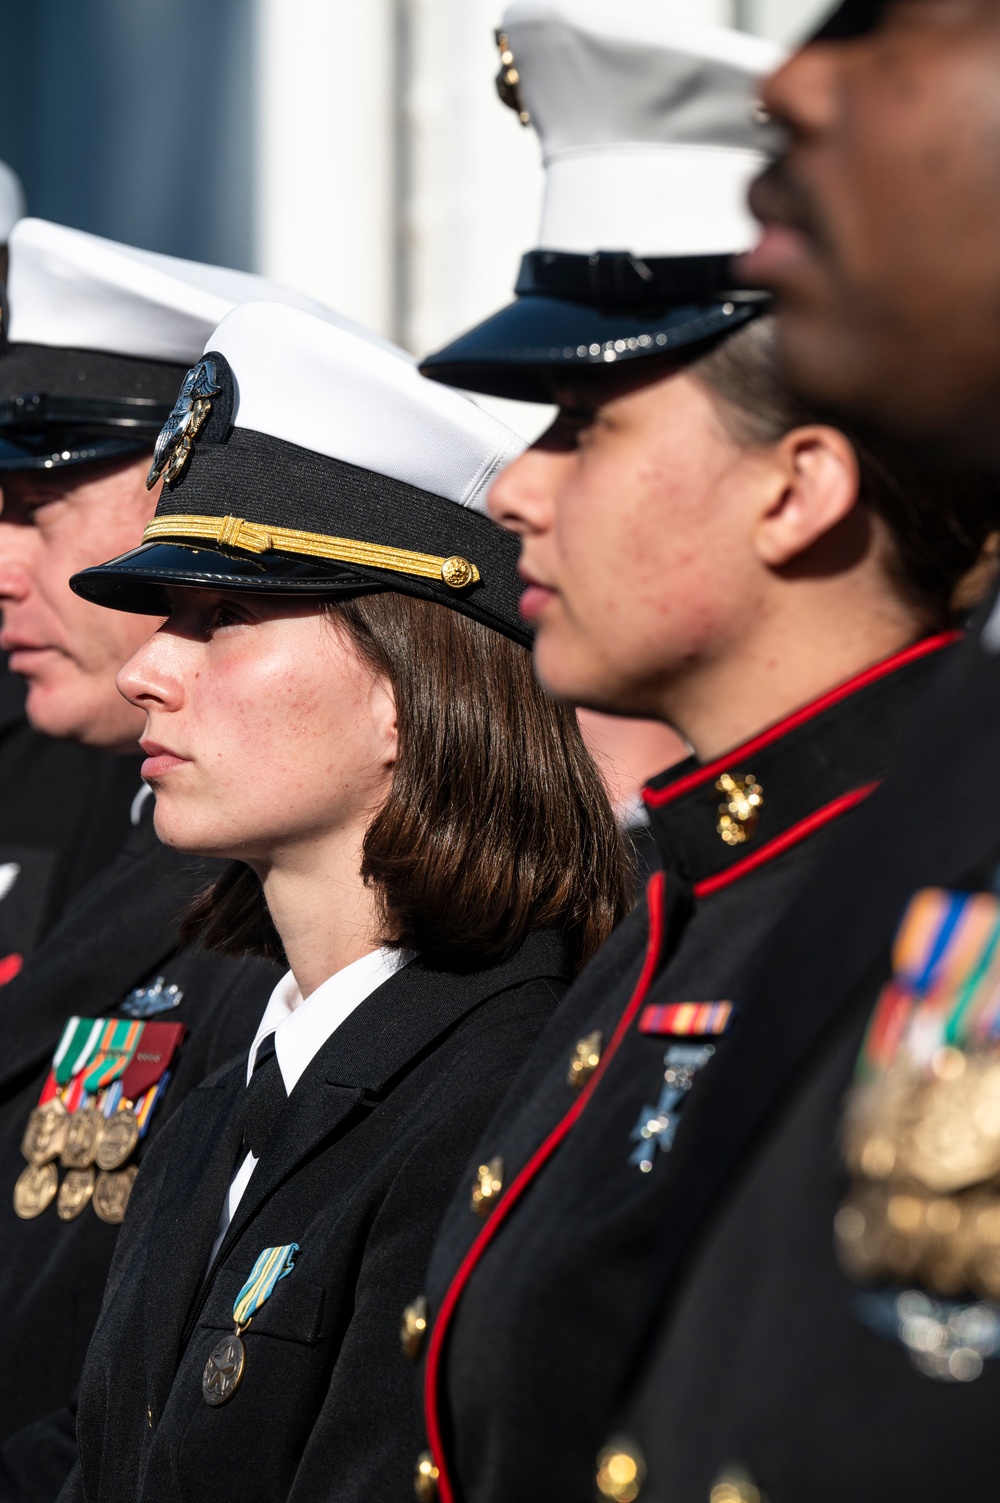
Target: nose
[
  {"x": 522, "y": 497},
  {"x": 152, "y": 678},
  {"x": 802, "y": 94},
  {"x": 15, "y": 570}
]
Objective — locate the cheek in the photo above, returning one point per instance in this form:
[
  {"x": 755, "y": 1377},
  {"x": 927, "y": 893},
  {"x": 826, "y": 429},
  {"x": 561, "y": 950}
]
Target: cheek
[
  {"x": 275, "y": 727},
  {"x": 637, "y": 537}
]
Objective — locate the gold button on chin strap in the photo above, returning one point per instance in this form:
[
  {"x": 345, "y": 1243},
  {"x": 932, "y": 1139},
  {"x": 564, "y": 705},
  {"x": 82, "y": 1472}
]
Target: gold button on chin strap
[{"x": 234, "y": 532}]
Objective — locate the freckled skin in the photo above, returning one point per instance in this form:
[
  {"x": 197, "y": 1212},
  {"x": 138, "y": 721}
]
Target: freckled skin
[
  {"x": 52, "y": 526},
  {"x": 889, "y": 303},
  {"x": 280, "y": 720}
]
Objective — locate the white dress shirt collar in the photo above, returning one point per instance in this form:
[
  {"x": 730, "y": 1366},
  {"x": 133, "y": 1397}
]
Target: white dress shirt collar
[{"x": 301, "y": 1028}]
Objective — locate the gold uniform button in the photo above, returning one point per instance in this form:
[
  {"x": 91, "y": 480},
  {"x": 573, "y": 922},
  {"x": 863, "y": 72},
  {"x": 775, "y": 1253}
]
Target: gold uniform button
[
  {"x": 413, "y": 1328},
  {"x": 486, "y": 1190},
  {"x": 621, "y": 1471},
  {"x": 457, "y": 572},
  {"x": 585, "y": 1059},
  {"x": 425, "y": 1478},
  {"x": 736, "y": 1486}
]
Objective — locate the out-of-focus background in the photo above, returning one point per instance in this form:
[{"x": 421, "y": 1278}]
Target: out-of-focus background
[{"x": 354, "y": 148}]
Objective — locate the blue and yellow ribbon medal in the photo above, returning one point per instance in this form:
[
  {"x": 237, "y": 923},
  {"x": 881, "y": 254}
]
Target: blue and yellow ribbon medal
[
  {"x": 227, "y": 1362},
  {"x": 922, "y": 1125}
]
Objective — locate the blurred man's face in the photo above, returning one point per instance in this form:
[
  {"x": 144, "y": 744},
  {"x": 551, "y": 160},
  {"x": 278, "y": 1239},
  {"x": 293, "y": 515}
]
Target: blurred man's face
[
  {"x": 69, "y": 651},
  {"x": 882, "y": 222}
]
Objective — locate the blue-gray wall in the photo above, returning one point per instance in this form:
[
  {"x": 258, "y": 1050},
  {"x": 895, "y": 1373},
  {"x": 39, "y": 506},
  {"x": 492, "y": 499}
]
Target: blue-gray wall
[{"x": 134, "y": 119}]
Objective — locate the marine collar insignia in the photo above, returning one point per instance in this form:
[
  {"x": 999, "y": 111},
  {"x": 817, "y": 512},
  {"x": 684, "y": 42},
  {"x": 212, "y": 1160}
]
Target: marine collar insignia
[{"x": 173, "y": 446}]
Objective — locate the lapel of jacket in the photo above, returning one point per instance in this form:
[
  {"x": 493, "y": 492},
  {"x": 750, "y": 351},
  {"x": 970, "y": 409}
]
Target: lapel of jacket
[
  {"x": 376, "y": 1043},
  {"x": 204, "y": 1154},
  {"x": 928, "y": 825},
  {"x": 121, "y": 928}
]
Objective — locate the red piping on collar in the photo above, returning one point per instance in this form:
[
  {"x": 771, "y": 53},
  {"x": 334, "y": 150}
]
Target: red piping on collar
[
  {"x": 786, "y": 839},
  {"x": 521, "y": 1182},
  {"x": 655, "y": 798}
]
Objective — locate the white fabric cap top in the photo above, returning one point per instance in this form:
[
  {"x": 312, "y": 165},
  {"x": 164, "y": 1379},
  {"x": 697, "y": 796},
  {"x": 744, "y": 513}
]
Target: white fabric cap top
[
  {"x": 12, "y": 204},
  {"x": 340, "y": 394},
  {"x": 646, "y": 124},
  {"x": 77, "y": 291}
]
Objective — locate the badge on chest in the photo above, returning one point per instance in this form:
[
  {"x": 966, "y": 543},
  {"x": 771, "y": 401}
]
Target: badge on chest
[
  {"x": 921, "y": 1139},
  {"x": 682, "y": 1062},
  {"x": 106, "y": 1078},
  {"x": 228, "y": 1358}
]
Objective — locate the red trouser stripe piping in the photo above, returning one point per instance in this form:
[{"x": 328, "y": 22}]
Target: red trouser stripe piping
[
  {"x": 784, "y": 841},
  {"x": 654, "y": 900}
]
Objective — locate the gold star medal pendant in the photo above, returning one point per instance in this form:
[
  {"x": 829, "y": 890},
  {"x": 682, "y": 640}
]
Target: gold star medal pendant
[{"x": 228, "y": 1359}]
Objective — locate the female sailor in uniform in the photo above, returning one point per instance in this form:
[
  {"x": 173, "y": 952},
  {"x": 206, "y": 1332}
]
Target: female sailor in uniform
[{"x": 340, "y": 699}]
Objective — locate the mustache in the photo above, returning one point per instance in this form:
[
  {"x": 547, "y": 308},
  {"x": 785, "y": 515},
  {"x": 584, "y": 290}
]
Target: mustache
[{"x": 779, "y": 196}]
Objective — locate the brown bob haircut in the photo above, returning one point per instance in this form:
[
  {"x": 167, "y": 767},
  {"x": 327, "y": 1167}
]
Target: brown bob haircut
[
  {"x": 940, "y": 517},
  {"x": 497, "y": 822}
]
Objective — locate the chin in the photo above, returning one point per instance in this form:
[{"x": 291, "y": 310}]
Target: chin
[
  {"x": 577, "y": 679},
  {"x": 183, "y": 830}
]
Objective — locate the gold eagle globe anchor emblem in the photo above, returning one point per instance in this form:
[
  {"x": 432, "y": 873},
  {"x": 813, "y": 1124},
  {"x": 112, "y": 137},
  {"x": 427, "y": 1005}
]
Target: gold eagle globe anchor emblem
[
  {"x": 743, "y": 799},
  {"x": 190, "y": 411}
]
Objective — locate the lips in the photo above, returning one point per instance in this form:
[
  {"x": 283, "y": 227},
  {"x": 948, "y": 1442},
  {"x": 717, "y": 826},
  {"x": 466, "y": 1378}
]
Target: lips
[
  {"x": 788, "y": 237},
  {"x": 159, "y": 760},
  {"x": 24, "y": 657}
]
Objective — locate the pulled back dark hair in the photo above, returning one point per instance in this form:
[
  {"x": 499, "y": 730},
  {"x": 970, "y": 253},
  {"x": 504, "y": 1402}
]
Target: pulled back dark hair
[
  {"x": 497, "y": 822},
  {"x": 939, "y": 516}
]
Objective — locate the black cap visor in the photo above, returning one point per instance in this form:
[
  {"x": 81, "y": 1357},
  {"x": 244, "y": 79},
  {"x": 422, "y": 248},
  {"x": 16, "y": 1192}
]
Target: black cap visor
[
  {"x": 55, "y": 449},
  {"x": 529, "y": 347},
  {"x": 138, "y": 581}
]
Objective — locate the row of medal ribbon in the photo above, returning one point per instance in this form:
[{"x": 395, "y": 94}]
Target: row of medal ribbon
[
  {"x": 922, "y": 1123},
  {"x": 106, "y": 1078}
]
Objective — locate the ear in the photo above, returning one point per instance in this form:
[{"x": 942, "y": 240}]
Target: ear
[
  {"x": 384, "y": 719},
  {"x": 816, "y": 472}
]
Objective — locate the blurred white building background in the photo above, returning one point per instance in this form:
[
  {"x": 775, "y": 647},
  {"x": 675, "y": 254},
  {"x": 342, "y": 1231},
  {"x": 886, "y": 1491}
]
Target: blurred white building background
[{"x": 355, "y": 150}]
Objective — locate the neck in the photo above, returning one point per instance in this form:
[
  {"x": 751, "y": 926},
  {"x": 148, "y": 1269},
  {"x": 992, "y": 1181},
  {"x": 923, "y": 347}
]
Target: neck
[
  {"x": 326, "y": 916},
  {"x": 780, "y": 666}
]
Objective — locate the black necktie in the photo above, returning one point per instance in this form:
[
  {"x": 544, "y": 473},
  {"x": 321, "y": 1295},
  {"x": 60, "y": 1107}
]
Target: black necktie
[{"x": 263, "y": 1100}]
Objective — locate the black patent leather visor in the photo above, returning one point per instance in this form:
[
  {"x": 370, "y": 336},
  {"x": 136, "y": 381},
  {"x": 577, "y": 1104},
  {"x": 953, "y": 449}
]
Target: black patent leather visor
[
  {"x": 60, "y": 450},
  {"x": 138, "y": 581},
  {"x": 532, "y": 345}
]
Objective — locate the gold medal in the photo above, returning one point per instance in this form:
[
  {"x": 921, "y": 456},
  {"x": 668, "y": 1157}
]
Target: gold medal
[
  {"x": 45, "y": 1132},
  {"x": 955, "y": 1141},
  {"x": 224, "y": 1370},
  {"x": 35, "y": 1190},
  {"x": 111, "y": 1193},
  {"x": 75, "y": 1193},
  {"x": 116, "y": 1139},
  {"x": 80, "y": 1140}
]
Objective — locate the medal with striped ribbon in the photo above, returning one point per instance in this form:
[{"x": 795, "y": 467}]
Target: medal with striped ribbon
[{"x": 227, "y": 1362}]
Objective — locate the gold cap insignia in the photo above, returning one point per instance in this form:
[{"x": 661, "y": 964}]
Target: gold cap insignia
[
  {"x": 509, "y": 80},
  {"x": 173, "y": 444},
  {"x": 486, "y": 1190},
  {"x": 738, "y": 814}
]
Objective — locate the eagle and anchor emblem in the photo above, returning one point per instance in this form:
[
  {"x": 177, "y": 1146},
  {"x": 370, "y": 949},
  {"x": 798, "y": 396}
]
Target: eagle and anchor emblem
[{"x": 188, "y": 417}]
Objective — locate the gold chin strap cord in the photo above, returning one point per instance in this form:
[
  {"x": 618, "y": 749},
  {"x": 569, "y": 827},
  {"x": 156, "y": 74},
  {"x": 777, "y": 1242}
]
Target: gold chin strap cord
[{"x": 234, "y": 532}]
